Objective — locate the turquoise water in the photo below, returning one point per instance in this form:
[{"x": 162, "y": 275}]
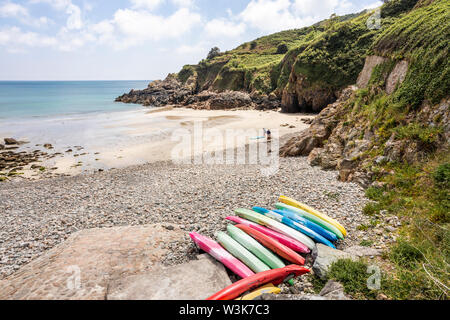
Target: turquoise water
[{"x": 25, "y": 99}]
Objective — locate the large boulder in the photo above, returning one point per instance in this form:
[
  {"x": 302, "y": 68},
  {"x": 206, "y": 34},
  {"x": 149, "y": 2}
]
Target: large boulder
[
  {"x": 360, "y": 251},
  {"x": 325, "y": 256},
  {"x": 10, "y": 141},
  {"x": 397, "y": 76},
  {"x": 332, "y": 291},
  {"x": 319, "y": 131},
  {"x": 89, "y": 262},
  {"x": 229, "y": 100},
  {"x": 196, "y": 280},
  {"x": 366, "y": 73}
]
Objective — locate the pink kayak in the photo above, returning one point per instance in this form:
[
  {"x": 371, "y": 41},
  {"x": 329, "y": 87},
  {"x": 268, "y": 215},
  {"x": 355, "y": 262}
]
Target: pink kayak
[
  {"x": 281, "y": 238},
  {"x": 215, "y": 250}
]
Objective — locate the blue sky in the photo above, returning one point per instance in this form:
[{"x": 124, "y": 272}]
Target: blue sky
[{"x": 139, "y": 39}]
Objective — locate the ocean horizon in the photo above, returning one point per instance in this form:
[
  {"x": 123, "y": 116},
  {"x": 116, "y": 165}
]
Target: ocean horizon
[{"x": 31, "y": 99}]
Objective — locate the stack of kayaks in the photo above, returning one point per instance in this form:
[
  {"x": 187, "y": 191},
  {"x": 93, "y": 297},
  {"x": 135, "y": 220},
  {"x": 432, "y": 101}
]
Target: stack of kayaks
[{"x": 264, "y": 241}]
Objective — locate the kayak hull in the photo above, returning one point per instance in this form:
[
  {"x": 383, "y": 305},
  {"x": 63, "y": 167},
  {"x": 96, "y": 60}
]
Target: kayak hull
[
  {"x": 281, "y": 238},
  {"x": 275, "y": 277},
  {"x": 267, "y": 289},
  {"x": 302, "y": 206},
  {"x": 219, "y": 253},
  {"x": 311, "y": 217},
  {"x": 255, "y": 247},
  {"x": 294, "y": 225},
  {"x": 309, "y": 224},
  {"x": 241, "y": 253},
  {"x": 275, "y": 225},
  {"x": 270, "y": 243}
]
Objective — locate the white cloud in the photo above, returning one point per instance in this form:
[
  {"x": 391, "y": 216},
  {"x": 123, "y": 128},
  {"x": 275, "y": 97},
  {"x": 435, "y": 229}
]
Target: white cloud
[
  {"x": 270, "y": 15},
  {"x": 10, "y": 9},
  {"x": 153, "y": 4},
  {"x": 183, "y": 3},
  {"x": 15, "y": 37},
  {"x": 319, "y": 10},
  {"x": 146, "y": 4},
  {"x": 373, "y": 5},
  {"x": 144, "y": 25},
  {"x": 69, "y": 40},
  {"x": 19, "y": 12},
  {"x": 224, "y": 28},
  {"x": 131, "y": 27},
  {"x": 188, "y": 50},
  {"x": 74, "y": 21}
]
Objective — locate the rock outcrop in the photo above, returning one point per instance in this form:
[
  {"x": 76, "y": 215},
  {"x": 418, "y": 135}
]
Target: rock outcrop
[
  {"x": 172, "y": 92},
  {"x": 195, "y": 280},
  {"x": 85, "y": 265},
  {"x": 10, "y": 141},
  {"x": 10, "y": 160},
  {"x": 158, "y": 93},
  {"x": 325, "y": 257},
  {"x": 332, "y": 291},
  {"x": 320, "y": 130},
  {"x": 366, "y": 73},
  {"x": 397, "y": 76},
  {"x": 340, "y": 138},
  {"x": 301, "y": 96}
]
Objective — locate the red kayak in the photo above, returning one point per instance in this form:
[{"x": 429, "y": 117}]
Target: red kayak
[
  {"x": 273, "y": 245},
  {"x": 275, "y": 276}
]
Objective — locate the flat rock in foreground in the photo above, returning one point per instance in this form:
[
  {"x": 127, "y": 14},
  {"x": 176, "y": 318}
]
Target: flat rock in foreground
[
  {"x": 325, "y": 257},
  {"x": 196, "y": 280},
  {"x": 86, "y": 265}
]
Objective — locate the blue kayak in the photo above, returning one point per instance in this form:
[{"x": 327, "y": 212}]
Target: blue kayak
[
  {"x": 309, "y": 224},
  {"x": 294, "y": 225}
]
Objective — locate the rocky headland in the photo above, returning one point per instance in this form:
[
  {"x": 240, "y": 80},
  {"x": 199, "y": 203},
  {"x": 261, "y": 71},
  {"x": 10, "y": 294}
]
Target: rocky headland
[{"x": 173, "y": 92}]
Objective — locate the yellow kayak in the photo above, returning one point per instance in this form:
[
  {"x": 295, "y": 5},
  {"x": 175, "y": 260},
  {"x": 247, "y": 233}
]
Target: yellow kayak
[
  {"x": 268, "y": 288},
  {"x": 313, "y": 211}
]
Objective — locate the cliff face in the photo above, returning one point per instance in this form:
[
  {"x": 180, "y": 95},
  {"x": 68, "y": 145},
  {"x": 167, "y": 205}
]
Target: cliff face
[
  {"x": 398, "y": 112},
  {"x": 320, "y": 62}
]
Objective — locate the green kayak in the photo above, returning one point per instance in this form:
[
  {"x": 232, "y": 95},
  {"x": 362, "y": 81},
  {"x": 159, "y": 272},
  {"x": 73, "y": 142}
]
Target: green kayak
[
  {"x": 237, "y": 250},
  {"x": 255, "y": 247}
]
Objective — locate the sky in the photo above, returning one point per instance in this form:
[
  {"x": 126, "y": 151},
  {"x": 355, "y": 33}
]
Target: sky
[{"x": 140, "y": 39}]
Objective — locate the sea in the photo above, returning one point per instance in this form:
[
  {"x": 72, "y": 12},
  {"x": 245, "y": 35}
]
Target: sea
[
  {"x": 74, "y": 114},
  {"x": 31, "y": 99}
]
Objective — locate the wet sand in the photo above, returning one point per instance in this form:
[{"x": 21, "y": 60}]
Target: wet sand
[{"x": 122, "y": 139}]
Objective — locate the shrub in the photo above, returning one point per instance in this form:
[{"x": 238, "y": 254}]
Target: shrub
[
  {"x": 282, "y": 48},
  {"x": 405, "y": 255},
  {"x": 353, "y": 275},
  {"x": 442, "y": 176},
  {"x": 214, "y": 52},
  {"x": 396, "y": 7}
]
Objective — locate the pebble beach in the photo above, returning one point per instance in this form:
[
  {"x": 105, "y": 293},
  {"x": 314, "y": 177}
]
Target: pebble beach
[{"x": 35, "y": 216}]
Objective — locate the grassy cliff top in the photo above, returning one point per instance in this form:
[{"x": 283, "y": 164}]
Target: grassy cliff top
[{"x": 330, "y": 53}]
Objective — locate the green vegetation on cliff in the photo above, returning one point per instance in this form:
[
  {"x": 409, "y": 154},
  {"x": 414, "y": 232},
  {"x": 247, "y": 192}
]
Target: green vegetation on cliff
[
  {"x": 264, "y": 65},
  {"x": 329, "y": 54},
  {"x": 406, "y": 126},
  {"x": 415, "y": 188}
]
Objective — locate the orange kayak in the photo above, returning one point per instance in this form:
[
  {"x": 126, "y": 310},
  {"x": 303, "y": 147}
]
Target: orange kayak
[
  {"x": 275, "y": 276},
  {"x": 273, "y": 245}
]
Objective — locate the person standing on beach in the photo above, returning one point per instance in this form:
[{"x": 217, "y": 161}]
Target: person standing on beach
[{"x": 269, "y": 135}]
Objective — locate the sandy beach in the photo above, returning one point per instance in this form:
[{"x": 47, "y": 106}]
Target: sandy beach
[
  {"x": 120, "y": 139},
  {"x": 142, "y": 185}
]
